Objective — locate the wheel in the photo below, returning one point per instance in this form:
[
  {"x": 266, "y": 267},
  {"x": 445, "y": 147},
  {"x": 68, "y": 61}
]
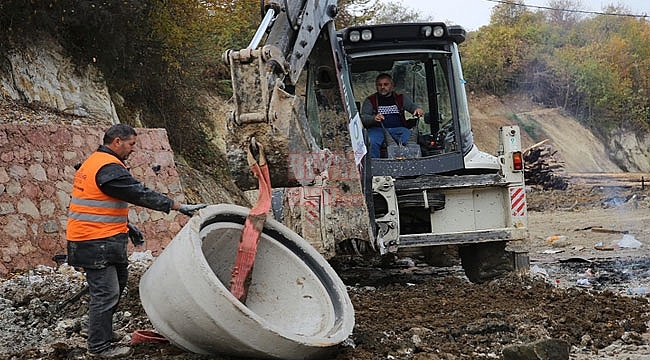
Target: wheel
[{"x": 486, "y": 261}]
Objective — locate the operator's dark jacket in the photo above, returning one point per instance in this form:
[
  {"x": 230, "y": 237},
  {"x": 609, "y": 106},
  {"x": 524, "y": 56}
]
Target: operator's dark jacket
[{"x": 116, "y": 181}]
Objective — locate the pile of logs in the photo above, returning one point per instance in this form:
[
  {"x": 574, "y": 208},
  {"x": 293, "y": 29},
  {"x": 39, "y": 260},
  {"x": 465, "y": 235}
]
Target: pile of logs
[{"x": 543, "y": 168}]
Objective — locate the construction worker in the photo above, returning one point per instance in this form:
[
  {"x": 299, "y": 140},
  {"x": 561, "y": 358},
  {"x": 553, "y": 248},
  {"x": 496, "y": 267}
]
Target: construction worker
[{"x": 98, "y": 231}]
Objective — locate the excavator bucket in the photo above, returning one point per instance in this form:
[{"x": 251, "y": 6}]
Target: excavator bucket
[{"x": 283, "y": 127}]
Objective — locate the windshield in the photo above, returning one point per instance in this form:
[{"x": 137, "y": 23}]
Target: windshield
[{"x": 426, "y": 80}]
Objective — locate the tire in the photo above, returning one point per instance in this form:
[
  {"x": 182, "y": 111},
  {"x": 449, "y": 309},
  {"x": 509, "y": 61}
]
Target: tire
[{"x": 483, "y": 262}]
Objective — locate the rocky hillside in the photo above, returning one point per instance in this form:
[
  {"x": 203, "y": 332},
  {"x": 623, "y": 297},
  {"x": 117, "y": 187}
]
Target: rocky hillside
[
  {"x": 42, "y": 73},
  {"x": 576, "y": 146}
]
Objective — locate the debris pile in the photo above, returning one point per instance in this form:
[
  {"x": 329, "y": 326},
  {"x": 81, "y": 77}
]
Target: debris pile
[
  {"x": 523, "y": 310},
  {"x": 42, "y": 317},
  {"x": 543, "y": 168}
]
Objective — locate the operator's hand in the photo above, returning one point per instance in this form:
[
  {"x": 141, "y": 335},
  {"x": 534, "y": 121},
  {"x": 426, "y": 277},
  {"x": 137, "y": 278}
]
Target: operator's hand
[
  {"x": 379, "y": 117},
  {"x": 135, "y": 235},
  {"x": 418, "y": 112},
  {"x": 189, "y": 210}
]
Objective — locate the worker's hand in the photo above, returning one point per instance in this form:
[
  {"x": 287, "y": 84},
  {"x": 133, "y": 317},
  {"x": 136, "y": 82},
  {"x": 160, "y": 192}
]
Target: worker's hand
[
  {"x": 189, "y": 210},
  {"x": 418, "y": 112},
  {"x": 379, "y": 117},
  {"x": 135, "y": 235}
]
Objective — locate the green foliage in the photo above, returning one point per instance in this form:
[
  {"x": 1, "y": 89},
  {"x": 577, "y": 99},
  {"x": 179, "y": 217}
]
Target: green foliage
[
  {"x": 359, "y": 12},
  {"x": 497, "y": 57},
  {"x": 596, "y": 67}
]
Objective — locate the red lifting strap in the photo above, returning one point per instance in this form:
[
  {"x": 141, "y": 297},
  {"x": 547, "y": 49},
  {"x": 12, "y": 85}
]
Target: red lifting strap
[{"x": 243, "y": 268}]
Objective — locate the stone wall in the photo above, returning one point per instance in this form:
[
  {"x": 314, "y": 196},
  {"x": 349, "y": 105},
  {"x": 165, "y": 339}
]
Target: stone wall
[{"x": 36, "y": 173}]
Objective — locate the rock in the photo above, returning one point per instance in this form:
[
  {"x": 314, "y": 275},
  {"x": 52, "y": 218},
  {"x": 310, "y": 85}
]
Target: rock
[
  {"x": 546, "y": 349},
  {"x": 43, "y": 72}
]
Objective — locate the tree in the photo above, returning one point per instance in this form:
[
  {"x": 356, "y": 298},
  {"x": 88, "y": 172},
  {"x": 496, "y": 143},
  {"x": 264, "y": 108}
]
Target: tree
[
  {"x": 498, "y": 58},
  {"x": 359, "y": 12},
  {"x": 396, "y": 12},
  {"x": 564, "y": 13},
  {"x": 356, "y": 12},
  {"x": 507, "y": 13}
]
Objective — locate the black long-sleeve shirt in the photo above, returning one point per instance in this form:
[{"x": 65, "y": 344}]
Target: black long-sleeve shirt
[{"x": 116, "y": 181}]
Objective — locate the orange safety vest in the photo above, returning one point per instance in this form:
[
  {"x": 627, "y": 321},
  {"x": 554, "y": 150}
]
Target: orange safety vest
[{"x": 93, "y": 214}]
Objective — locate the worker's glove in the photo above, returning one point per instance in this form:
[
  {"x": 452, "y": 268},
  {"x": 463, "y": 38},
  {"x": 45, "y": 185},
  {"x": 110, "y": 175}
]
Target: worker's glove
[
  {"x": 135, "y": 235},
  {"x": 189, "y": 210}
]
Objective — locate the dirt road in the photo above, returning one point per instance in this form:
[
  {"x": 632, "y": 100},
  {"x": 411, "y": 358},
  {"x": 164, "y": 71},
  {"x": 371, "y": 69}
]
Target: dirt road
[{"x": 596, "y": 209}]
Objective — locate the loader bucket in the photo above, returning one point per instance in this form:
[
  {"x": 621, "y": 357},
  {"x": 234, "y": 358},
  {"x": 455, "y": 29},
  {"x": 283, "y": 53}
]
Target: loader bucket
[{"x": 297, "y": 307}]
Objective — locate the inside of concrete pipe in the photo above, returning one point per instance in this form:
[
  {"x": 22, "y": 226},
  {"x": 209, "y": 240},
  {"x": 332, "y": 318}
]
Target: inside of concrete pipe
[{"x": 290, "y": 288}]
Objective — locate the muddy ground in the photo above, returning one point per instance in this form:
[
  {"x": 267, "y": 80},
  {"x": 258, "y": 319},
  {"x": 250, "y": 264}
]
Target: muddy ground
[{"x": 582, "y": 288}]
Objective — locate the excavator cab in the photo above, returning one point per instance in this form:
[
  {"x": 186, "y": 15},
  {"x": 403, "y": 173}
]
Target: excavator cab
[
  {"x": 424, "y": 62},
  {"x": 434, "y": 133}
]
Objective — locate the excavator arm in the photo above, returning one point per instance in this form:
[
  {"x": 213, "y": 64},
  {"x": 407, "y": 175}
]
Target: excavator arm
[
  {"x": 296, "y": 28},
  {"x": 291, "y": 93},
  {"x": 264, "y": 79}
]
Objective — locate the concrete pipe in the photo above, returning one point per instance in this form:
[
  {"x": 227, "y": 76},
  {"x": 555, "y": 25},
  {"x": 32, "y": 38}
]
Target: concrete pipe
[{"x": 297, "y": 306}]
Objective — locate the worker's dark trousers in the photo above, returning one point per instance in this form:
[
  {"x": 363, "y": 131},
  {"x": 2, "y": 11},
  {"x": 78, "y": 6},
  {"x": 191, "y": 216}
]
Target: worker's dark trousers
[
  {"x": 105, "y": 287},
  {"x": 105, "y": 262}
]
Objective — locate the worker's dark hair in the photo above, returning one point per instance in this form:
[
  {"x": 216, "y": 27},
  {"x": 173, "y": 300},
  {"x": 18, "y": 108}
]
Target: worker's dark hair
[
  {"x": 384, "y": 75},
  {"x": 122, "y": 131}
]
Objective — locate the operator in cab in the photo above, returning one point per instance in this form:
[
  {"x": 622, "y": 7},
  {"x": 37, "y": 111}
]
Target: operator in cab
[{"x": 383, "y": 112}]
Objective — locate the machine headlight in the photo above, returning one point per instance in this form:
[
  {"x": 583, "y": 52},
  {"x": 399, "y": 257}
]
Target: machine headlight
[
  {"x": 426, "y": 31},
  {"x": 438, "y": 31},
  {"x": 355, "y": 36},
  {"x": 366, "y": 35}
]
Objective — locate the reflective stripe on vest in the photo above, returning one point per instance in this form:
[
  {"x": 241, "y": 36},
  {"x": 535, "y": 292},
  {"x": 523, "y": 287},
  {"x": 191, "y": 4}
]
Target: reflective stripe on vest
[{"x": 93, "y": 214}]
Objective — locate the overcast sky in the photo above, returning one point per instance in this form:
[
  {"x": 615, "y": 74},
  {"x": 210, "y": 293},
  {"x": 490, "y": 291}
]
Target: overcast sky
[{"x": 473, "y": 14}]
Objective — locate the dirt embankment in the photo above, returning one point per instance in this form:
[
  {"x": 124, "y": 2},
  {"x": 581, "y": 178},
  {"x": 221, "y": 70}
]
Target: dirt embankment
[{"x": 577, "y": 147}]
